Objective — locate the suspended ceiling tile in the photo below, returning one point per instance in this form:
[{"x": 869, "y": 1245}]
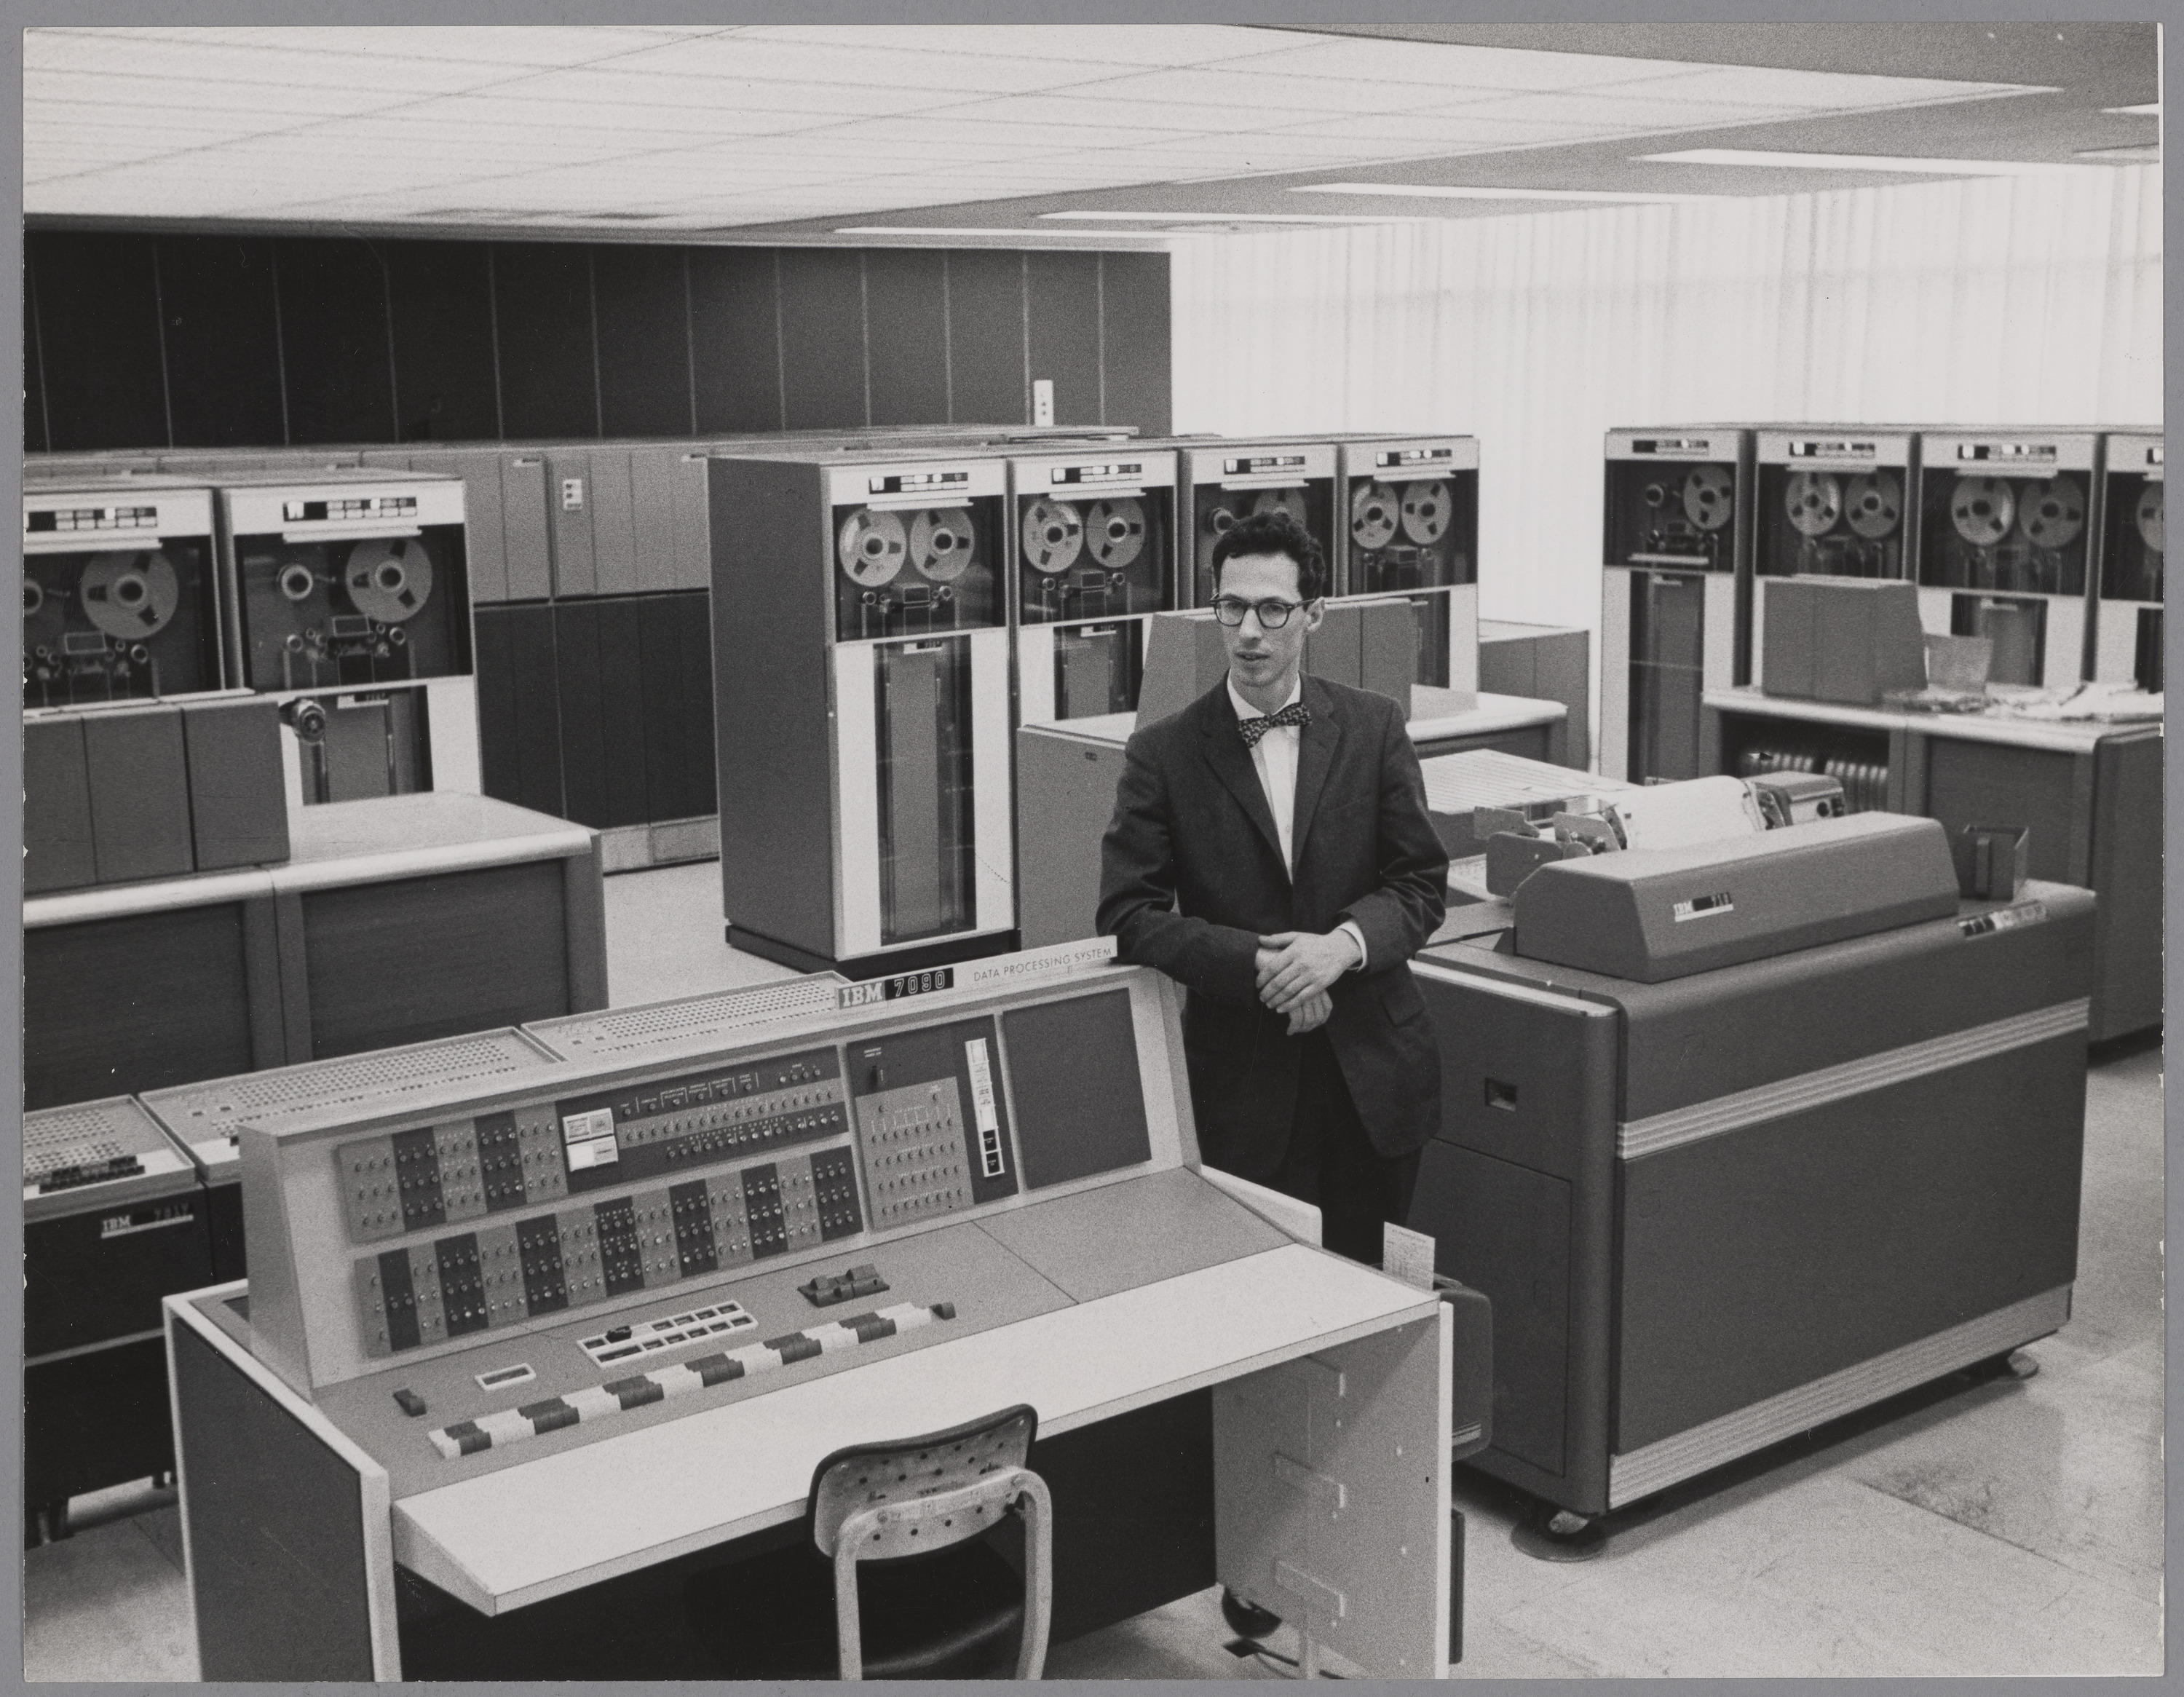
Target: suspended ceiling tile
[
  {"x": 1005, "y": 138},
  {"x": 210, "y": 94},
  {"x": 1166, "y": 44},
  {"x": 1079, "y": 110},
  {"x": 1216, "y": 88},
  {"x": 1616, "y": 113},
  {"x": 1807, "y": 90},
  {"x": 484, "y": 44},
  {"x": 1442, "y": 131},
  {"x": 819, "y": 62},
  {"x": 182, "y": 123},
  {"x": 546, "y": 116},
  {"x": 461, "y": 138},
  {"x": 1435, "y": 63},
  {"x": 760, "y": 100},
  {"x": 129, "y": 56},
  {"x": 870, "y": 150}
]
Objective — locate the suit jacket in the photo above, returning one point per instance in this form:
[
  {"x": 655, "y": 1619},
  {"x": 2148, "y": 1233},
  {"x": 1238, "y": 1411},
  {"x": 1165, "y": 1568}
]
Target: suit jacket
[{"x": 1192, "y": 877}]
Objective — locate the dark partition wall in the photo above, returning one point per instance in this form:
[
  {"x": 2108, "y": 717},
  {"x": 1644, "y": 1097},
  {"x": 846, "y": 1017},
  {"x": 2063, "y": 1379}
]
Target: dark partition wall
[
  {"x": 99, "y": 345},
  {"x": 642, "y": 298},
  {"x": 439, "y": 321},
  {"x": 221, "y": 322},
  {"x": 182, "y": 341},
  {"x": 337, "y": 359}
]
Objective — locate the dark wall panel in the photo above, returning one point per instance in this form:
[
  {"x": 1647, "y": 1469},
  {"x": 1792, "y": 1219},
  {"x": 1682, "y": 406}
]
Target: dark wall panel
[
  {"x": 735, "y": 340},
  {"x": 985, "y": 338},
  {"x": 34, "y": 376},
  {"x": 1135, "y": 318},
  {"x": 645, "y": 340},
  {"x": 668, "y": 731},
  {"x": 583, "y": 752},
  {"x": 822, "y": 337},
  {"x": 217, "y": 299},
  {"x": 519, "y": 706},
  {"x": 532, "y": 341},
  {"x": 542, "y": 294},
  {"x": 334, "y": 341},
  {"x": 98, "y": 320},
  {"x": 1061, "y": 303},
  {"x": 441, "y": 301},
  {"x": 906, "y": 334},
  {"x": 622, "y": 689}
]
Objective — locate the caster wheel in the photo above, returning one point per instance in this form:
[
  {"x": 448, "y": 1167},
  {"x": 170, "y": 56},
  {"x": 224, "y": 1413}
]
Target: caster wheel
[
  {"x": 1248, "y": 1620},
  {"x": 1553, "y": 1534}
]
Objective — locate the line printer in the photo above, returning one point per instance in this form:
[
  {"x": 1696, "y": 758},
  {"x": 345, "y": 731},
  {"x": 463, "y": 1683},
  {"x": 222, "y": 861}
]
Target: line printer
[{"x": 1750, "y": 1118}]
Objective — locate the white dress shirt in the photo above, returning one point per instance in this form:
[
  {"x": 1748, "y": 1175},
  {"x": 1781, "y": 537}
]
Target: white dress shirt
[{"x": 1274, "y": 757}]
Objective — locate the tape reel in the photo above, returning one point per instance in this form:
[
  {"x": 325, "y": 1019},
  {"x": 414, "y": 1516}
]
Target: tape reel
[
  {"x": 1982, "y": 508},
  {"x": 1053, "y": 536},
  {"x": 1374, "y": 512},
  {"x": 2051, "y": 514},
  {"x": 390, "y": 579},
  {"x": 1116, "y": 530},
  {"x": 2149, "y": 516},
  {"x": 1429, "y": 509},
  {"x": 1814, "y": 500},
  {"x": 1709, "y": 496},
  {"x": 129, "y": 596},
  {"x": 870, "y": 548},
  {"x": 1288, "y": 502},
  {"x": 1874, "y": 500},
  {"x": 1217, "y": 519},
  {"x": 941, "y": 543}
]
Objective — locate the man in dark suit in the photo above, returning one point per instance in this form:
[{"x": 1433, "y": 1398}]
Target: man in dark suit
[{"x": 1271, "y": 851}]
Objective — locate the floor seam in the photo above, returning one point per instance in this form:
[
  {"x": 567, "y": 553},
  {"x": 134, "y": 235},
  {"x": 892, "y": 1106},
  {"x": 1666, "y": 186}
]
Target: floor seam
[{"x": 1983, "y": 1532}]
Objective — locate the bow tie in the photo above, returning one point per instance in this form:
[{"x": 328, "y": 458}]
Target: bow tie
[{"x": 1253, "y": 729}]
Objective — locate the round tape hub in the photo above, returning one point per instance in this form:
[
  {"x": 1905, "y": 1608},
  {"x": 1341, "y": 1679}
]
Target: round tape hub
[
  {"x": 297, "y": 582},
  {"x": 1874, "y": 501},
  {"x": 1814, "y": 500},
  {"x": 1709, "y": 496},
  {"x": 1117, "y": 531},
  {"x": 870, "y": 548},
  {"x": 1981, "y": 509},
  {"x": 1373, "y": 515},
  {"x": 2051, "y": 514},
  {"x": 1288, "y": 502},
  {"x": 34, "y": 598},
  {"x": 130, "y": 596},
  {"x": 941, "y": 541},
  {"x": 1053, "y": 536},
  {"x": 2149, "y": 516},
  {"x": 389, "y": 580},
  {"x": 1428, "y": 508}
]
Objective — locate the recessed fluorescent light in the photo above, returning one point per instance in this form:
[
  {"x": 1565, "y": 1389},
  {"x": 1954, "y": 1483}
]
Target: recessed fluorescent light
[
  {"x": 1475, "y": 192},
  {"x": 1854, "y": 162},
  {"x": 1250, "y": 217},
  {"x": 2151, "y": 109}
]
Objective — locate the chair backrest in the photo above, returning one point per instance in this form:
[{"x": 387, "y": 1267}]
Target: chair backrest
[{"x": 871, "y": 1475}]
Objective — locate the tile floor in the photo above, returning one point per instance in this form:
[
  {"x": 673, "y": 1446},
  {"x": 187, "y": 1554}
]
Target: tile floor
[{"x": 1967, "y": 1528}]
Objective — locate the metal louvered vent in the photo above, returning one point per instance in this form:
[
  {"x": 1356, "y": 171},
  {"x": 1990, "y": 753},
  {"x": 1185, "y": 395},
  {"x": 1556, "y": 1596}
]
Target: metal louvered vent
[
  {"x": 196, "y": 1112},
  {"x": 581, "y": 1036},
  {"x": 85, "y": 1134}
]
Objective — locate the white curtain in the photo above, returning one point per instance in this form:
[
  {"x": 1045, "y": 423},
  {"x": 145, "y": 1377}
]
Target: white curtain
[{"x": 2013, "y": 300}]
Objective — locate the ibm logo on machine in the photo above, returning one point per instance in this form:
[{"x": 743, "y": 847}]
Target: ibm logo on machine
[
  {"x": 890, "y": 989},
  {"x": 1703, "y": 907}
]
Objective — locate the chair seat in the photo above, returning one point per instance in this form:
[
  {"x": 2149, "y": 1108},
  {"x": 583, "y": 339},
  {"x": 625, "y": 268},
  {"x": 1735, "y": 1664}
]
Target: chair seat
[{"x": 955, "y": 1614}]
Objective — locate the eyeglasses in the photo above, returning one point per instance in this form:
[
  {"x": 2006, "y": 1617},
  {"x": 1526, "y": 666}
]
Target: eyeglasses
[{"x": 1273, "y": 614}]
